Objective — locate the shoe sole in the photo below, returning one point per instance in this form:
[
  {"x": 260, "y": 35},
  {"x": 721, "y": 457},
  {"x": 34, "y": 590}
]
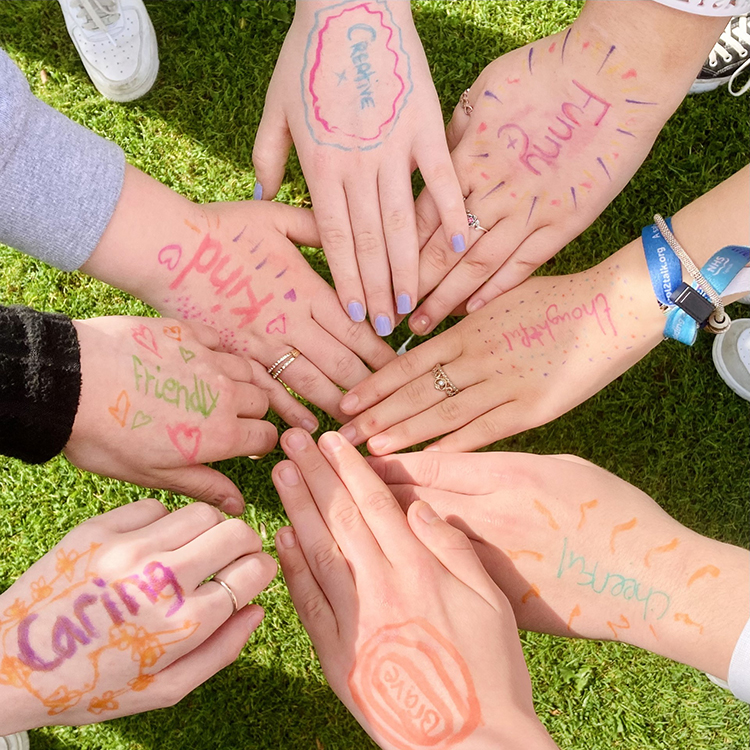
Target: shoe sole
[
  {"x": 701, "y": 87},
  {"x": 18, "y": 741},
  {"x": 731, "y": 338}
]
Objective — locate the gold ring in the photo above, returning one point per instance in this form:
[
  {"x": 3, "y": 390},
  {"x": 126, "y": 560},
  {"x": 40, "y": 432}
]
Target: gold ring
[
  {"x": 443, "y": 382},
  {"x": 225, "y": 586},
  {"x": 282, "y": 363},
  {"x": 468, "y": 109}
]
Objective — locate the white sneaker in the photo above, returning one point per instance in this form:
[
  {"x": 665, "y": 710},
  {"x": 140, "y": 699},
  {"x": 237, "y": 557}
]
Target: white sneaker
[
  {"x": 117, "y": 44},
  {"x": 731, "y": 353},
  {"x": 18, "y": 741}
]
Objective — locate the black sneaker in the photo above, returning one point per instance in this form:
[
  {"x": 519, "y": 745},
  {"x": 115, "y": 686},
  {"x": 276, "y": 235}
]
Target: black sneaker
[{"x": 729, "y": 55}]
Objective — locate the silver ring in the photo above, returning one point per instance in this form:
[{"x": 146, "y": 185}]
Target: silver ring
[
  {"x": 443, "y": 382},
  {"x": 474, "y": 222},
  {"x": 464, "y": 101},
  {"x": 225, "y": 586},
  {"x": 282, "y": 363}
]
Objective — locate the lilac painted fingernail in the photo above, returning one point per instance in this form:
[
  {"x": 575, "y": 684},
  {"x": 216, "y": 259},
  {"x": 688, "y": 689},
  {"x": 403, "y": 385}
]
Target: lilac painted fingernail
[
  {"x": 403, "y": 304},
  {"x": 459, "y": 243},
  {"x": 356, "y": 312},
  {"x": 258, "y": 192},
  {"x": 383, "y": 325}
]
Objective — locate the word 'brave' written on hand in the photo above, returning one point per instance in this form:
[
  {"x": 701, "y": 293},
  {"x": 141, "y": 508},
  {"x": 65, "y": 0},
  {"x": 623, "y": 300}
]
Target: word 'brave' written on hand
[
  {"x": 201, "y": 398},
  {"x": 655, "y": 603},
  {"x": 527, "y": 335},
  {"x": 353, "y": 100}
]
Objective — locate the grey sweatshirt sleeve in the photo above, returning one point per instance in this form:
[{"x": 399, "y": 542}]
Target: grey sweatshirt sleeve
[{"x": 59, "y": 182}]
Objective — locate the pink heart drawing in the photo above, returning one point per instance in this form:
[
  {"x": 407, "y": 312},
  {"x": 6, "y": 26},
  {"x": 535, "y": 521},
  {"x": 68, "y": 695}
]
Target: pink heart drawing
[
  {"x": 291, "y": 295},
  {"x": 186, "y": 439},
  {"x": 145, "y": 337},
  {"x": 277, "y": 325},
  {"x": 169, "y": 256}
]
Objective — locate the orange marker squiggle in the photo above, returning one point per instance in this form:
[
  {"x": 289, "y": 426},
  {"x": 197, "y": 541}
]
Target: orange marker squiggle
[
  {"x": 576, "y": 612},
  {"x": 620, "y": 528},
  {"x": 656, "y": 550},
  {"x": 546, "y": 513},
  {"x": 515, "y": 554},
  {"x": 710, "y": 570},
  {"x": 683, "y": 617},
  {"x": 583, "y": 508},
  {"x": 532, "y": 592},
  {"x": 624, "y": 625}
]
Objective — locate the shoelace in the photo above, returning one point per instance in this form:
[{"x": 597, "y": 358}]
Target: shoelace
[
  {"x": 736, "y": 73},
  {"x": 96, "y": 14},
  {"x": 736, "y": 37}
]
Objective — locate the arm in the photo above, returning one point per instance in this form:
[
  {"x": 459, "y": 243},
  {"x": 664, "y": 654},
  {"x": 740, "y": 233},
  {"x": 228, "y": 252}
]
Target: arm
[
  {"x": 557, "y": 130},
  {"x": 352, "y": 88},
  {"x": 539, "y": 350},
  {"x": 115, "y": 619}
]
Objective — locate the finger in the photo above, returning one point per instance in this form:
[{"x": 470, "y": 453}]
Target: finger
[
  {"x": 260, "y": 438},
  {"x": 298, "y": 224},
  {"x": 204, "y": 334},
  {"x": 332, "y": 358},
  {"x": 250, "y": 401},
  {"x": 427, "y": 216},
  {"x": 234, "y": 367},
  {"x": 246, "y": 577},
  {"x": 213, "y": 550},
  {"x": 328, "y": 565},
  {"x": 219, "y": 650},
  {"x": 313, "y": 608},
  {"x": 454, "y": 550},
  {"x": 132, "y": 516},
  {"x": 357, "y": 337},
  {"x": 419, "y": 411},
  {"x": 333, "y": 499},
  {"x": 376, "y": 504},
  {"x": 471, "y": 474},
  {"x": 270, "y": 150},
  {"x": 182, "y": 526},
  {"x": 372, "y": 257},
  {"x": 402, "y": 370},
  {"x": 399, "y": 224},
  {"x": 332, "y": 215},
  {"x": 434, "y": 162},
  {"x": 206, "y": 485},
  {"x": 283, "y": 403}
]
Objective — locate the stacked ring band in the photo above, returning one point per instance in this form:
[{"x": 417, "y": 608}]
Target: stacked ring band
[
  {"x": 468, "y": 109},
  {"x": 474, "y": 222},
  {"x": 282, "y": 363},
  {"x": 443, "y": 382},
  {"x": 225, "y": 586}
]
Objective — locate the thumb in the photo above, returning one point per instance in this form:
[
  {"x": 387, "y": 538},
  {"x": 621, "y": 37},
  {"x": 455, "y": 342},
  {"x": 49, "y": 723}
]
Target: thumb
[
  {"x": 202, "y": 483},
  {"x": 270, "y": 152},
  {"x": 298, "y": 224}
]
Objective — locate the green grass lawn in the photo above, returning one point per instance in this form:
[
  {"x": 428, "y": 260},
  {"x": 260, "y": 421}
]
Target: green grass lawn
[{"x": 669, "y": 425}]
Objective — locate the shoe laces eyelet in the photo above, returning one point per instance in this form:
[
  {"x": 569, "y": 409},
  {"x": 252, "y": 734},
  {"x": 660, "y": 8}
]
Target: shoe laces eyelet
[{"x": 743, "y": 53}]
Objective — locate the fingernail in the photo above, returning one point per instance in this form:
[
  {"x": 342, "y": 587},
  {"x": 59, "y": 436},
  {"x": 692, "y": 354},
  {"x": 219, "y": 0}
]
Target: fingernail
[
  {"x": 349, "y": 403},
  {"x": 289, "y": 476},
  {"x": 356, "y": 312},
  {"x": 426, "y": 513},
  {"x": 459, "y": 243},
  {"x": 434, "y": 447},
  {"x": 379, "y": 442},
  {"x": 287, "y": 538},
  {"x": 297, "y": 441},
  {"x": 254, "y": 619},
  {"x": 403, "y": 304},
  {"x": 383, "y": 325},
  {"x": 258, "y": 192},
  {"x": 475, "y": 305},
  {"x": 233, "y": 506},
  {"x": 331, "y": 442},
  {"x": 310, "y": 425},
  {"x": 348, "y": 432},
  {"x": 420, "y": 324}
]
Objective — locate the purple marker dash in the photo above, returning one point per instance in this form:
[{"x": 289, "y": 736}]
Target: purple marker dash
[
  {"x": 604, "y": 167},
  {"x": 564, "y": 44},
  {"x": 531, "y": 54},
  {"x": 281, "y": 273},
  {"x": 234, "y": 239},
  {"x": 531, "y": 210},
  {"x": 573, "y": 193},
  {"x": 261, "y": 264},
  {"x": 490, "y": 95},
  {"x": 490, "y": 192},
  {"x": 625, "y": 132},
  {"x": 635, "y": 101},
  {"x": 479, "y": 156},
  {"x": 257, "y": 246},
  {"x": 604, "y": 62}
]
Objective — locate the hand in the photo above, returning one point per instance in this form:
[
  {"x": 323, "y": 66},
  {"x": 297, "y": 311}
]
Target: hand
[
  {"x": 557, "y": 130},
  {"x": 411, "y": 633},
  {"x": 157, "y": 402},
  {"x": 522, "y": 360},
  {"x": 116, "y": 619},
  {"x": 582, "y": 553},
  {"x": 233, "y": 268},
  {"x": 368, "y": 114}
]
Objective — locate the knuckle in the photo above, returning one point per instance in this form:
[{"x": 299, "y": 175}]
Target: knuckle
[
  {"x": 488, "y": 426},
  {"x": 449, "y": 410},
  {"x": 346, "y": 368},
  {"x": 435, "y": 258},
  {"x": 396, "y": 220},
  {"x": 205, "y": 513},
  {"x": 416, "y": 392},
  {"x": 345, "y": 515},
  {"x": 335, "y": 238},
  {"x": 409, "y": 365},
  {"x": 425, "y": 226},
  {"x": 306, "y": 383},
  {"x": 478, "y": 266},
  {"x": 456, "y": 540},
  {"x": 367, "y": 244},
  {"x": 244, "y": 535},
  {"x": 312, "y": 608},
  {"x": 324, "y": 556},
  {"x": 430, "y": 472},
  {"x": 380, "y": 500}
]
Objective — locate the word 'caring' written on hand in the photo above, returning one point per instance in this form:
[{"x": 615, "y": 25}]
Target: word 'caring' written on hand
[
  {"x": 201, "y": 398},
  {"x": 414, "y": 687},
  {"x": 353, "y": 99},
  {"x": 598, "y": 310},
  {"x": 655, "y": 603}
]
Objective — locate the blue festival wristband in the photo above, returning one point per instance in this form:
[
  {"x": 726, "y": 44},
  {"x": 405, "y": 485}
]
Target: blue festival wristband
[
  {"x": 718, "y": 271},
  {"x": 664, "y": 266}
]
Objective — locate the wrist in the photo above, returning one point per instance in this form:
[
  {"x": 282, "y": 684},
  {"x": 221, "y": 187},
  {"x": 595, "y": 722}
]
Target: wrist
[{"x": 523, "y": 731}]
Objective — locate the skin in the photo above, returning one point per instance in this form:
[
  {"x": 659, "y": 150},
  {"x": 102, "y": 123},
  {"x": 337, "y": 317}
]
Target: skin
[
  {"x": 128, "y": 437},
  {"x": 519, "y": 508},
  {"x": 178, "y": 642},
  {"x": 361, "y": 187},
  {"x": 175, "y": 247},
  {"x": 359, "y": 570},
  {"x": 615, "y": 50},
  {"x": 518, "y": 363}
]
